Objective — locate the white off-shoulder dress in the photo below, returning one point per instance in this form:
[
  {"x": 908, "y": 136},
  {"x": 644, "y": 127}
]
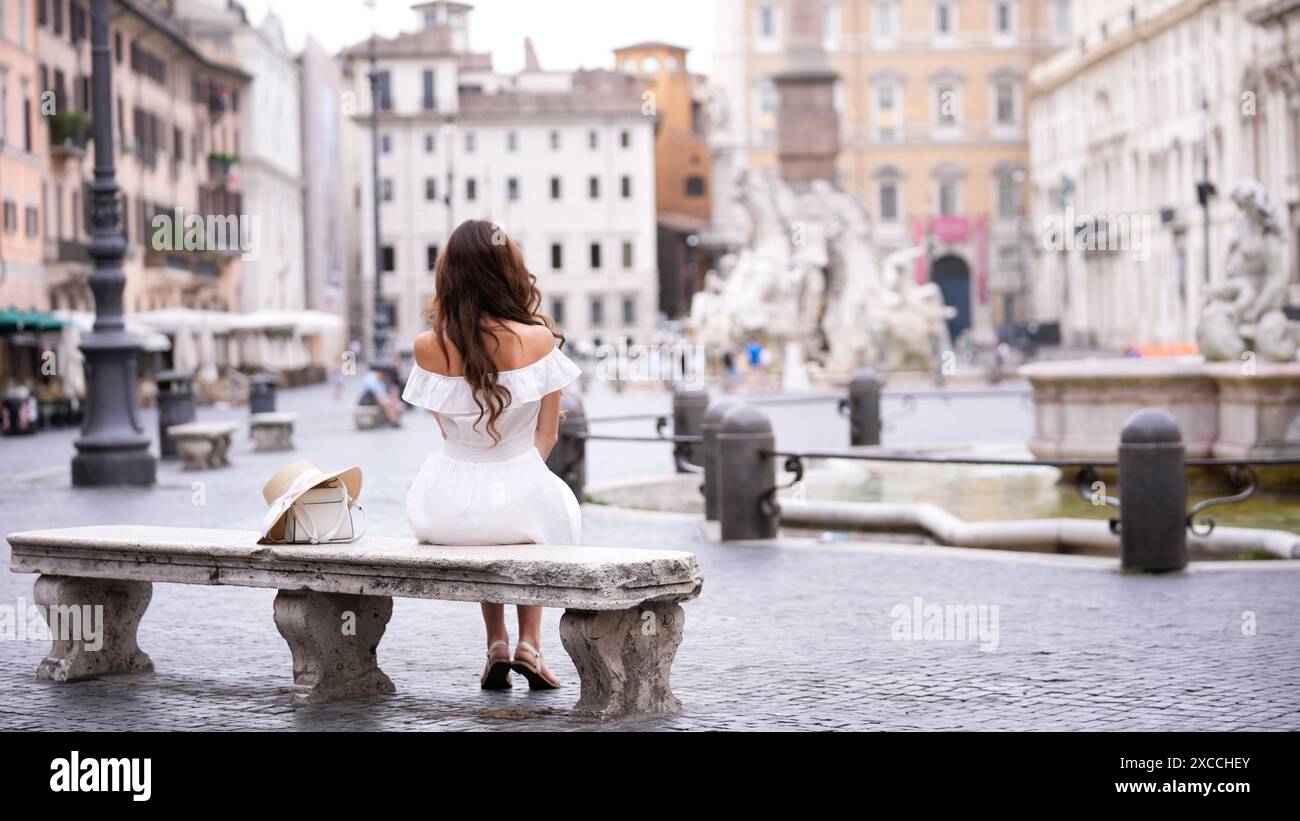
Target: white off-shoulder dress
[{"x": 476, "y": 492}]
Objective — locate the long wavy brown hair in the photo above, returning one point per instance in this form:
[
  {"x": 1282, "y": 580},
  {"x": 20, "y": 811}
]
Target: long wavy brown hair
[{"x": 479, "y": 280}]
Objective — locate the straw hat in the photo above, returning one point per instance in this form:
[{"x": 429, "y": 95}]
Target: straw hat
[{"x": 291, "y": 482}]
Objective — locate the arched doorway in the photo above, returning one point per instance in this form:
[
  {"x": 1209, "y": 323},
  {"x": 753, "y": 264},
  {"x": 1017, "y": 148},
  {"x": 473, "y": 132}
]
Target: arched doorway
[{"x": 952, "y": 275}]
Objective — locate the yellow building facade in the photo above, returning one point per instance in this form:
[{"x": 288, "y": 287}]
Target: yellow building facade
[{"x": 932, "y": 105}]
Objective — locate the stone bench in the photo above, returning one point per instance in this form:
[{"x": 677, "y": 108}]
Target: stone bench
[
  {"x": 621, "y": 626},
  {"x": 203, "y": 445},
  {"x": 272, "y": 431}
]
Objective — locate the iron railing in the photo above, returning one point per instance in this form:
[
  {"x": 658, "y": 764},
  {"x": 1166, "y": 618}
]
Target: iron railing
[{"x": 1243, "y": 477}]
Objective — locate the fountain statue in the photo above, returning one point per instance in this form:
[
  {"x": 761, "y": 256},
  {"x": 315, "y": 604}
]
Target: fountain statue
[
  {"x": 1244, "y": 313},
  {"x": 807, "y": 280}
]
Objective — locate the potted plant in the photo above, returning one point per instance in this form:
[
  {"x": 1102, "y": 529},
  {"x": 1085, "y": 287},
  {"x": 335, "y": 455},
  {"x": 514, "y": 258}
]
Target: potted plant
[{"x": 70, "y": 128}]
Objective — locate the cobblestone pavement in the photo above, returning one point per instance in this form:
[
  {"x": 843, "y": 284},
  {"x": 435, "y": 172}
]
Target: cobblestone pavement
[{"x": 794, "y": 636}]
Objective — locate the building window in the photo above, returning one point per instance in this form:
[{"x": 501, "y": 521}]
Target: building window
[
  {"x": 945, "y": 18},
  {"x": 512, "y": 141},
  {"x": 1005, "y": 97},
  {"x": 512, "y": 188},
  {"x": 471, "y": 142},
  {"x": 888, "y": 117},
  {"x": 471, "y": 189},
  {"x": 767, "y": 27},
  {"x": 886, "y": 21},
  {"x": 430, "y": 188},
  {"x": 629, "y": 310},
  {"x": 1003, "y": 18},
  {"x": 949, "y": 198},
  {"x": 1061, "y": 17},
  {"x": 555, "y": 140},
  {"x": 385, "y": 144},
  {"x": 386, "y": 189},
  {"x": 33, "y": 221},
  {"x": 889, "y": 200},
  {"x": 11, "y": 217},
  {"x": 695, "y": 186},
  {"x": 557, "y": 310},
  {"x": 593, "y": 188},
  {"x": 1010, "y": 196},
  {"x": 430, "y": 256},
  {"x": 429, "y": 143},
  {"x": 597, "y": 311},
  {"x": 626, "y": 186},
  {"x": 389, "y": 259},
  {"x": 766, "y": 102},
  {"x": 593, "y": 139},
  {"x": 430, "y": 98},
  {"x": 383, "y": 87},
  {"x": 595, "y": 256},
  {"x": 625, "y": 138},
  {"x": 947, "y": 104},
  {"x": 831, "y": 17},
  {"x": 627, "y": 254},
  {"x": 557, "y": 256},
  {"x": 555, "y": 188}
]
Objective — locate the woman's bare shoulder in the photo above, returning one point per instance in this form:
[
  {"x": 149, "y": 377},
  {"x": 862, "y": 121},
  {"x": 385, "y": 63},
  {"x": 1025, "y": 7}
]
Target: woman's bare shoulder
[
  {"x": 429, "y": 354},
  {"x": 538, "y": 340}
]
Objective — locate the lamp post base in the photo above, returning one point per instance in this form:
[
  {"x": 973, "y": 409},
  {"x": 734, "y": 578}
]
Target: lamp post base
[{"x": 128, "y": 466}]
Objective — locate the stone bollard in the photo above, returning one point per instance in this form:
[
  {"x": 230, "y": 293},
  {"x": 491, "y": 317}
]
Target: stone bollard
[
  {"x": 746, "y": 474},
  {"x": 864, "y": 408},
  {"x": 709, "y": 425},
  {"x": 568, "y": 458},
  {"x": 1152, "y": 493},
  {"x": 689, "y": 404},
  {"x": 261, "y": 393},
  {"x": 175, "y": 407}
]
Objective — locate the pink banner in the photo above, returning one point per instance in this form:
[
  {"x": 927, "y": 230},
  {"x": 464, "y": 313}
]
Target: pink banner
[{"x": 951, "y": 229}]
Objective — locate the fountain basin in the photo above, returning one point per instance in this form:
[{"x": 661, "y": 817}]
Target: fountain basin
[{"x": 1226, "y": 410}]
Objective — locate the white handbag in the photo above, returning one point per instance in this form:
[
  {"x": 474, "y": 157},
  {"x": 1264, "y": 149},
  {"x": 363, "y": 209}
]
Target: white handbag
[{"x": 323, "y": 515}]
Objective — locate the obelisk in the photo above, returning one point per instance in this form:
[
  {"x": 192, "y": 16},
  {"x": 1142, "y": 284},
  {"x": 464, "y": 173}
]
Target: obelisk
[{"x": 807, "y": 125}]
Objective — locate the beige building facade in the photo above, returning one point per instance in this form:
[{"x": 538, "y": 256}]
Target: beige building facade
[{"x": 176, "y": 136}]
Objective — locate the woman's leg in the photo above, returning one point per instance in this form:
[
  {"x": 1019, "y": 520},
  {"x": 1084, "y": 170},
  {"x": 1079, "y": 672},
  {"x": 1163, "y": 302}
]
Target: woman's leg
[
  {"x": 530, "y": 625},
  {"x": 494, "y": 619},
  {"x": 530, "y": 630}
]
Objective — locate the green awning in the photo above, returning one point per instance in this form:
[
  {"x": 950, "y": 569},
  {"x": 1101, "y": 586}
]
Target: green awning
[{"x": 13, "y": 320}]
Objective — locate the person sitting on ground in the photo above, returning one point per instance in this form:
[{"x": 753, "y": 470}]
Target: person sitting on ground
[{"x": 376, "y": 391}]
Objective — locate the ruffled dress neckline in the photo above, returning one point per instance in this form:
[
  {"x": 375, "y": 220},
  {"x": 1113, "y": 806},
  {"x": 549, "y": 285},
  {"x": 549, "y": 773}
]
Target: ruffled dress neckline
[{"x": 452, "y": 394}]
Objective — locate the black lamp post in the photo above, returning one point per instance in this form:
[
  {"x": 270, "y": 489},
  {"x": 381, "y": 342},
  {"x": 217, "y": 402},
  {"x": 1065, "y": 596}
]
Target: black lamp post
[{"x": 113, "y": 448}]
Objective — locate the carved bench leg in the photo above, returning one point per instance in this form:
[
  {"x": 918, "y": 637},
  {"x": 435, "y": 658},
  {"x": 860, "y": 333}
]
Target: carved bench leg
[
  {"x": 334, "y": 638},
  {"x": 220, "y": 451},
  {"x": 94, "y": 624},
  {"x": 195, "y": 452},
  {"x": 624, "y": 658}
]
